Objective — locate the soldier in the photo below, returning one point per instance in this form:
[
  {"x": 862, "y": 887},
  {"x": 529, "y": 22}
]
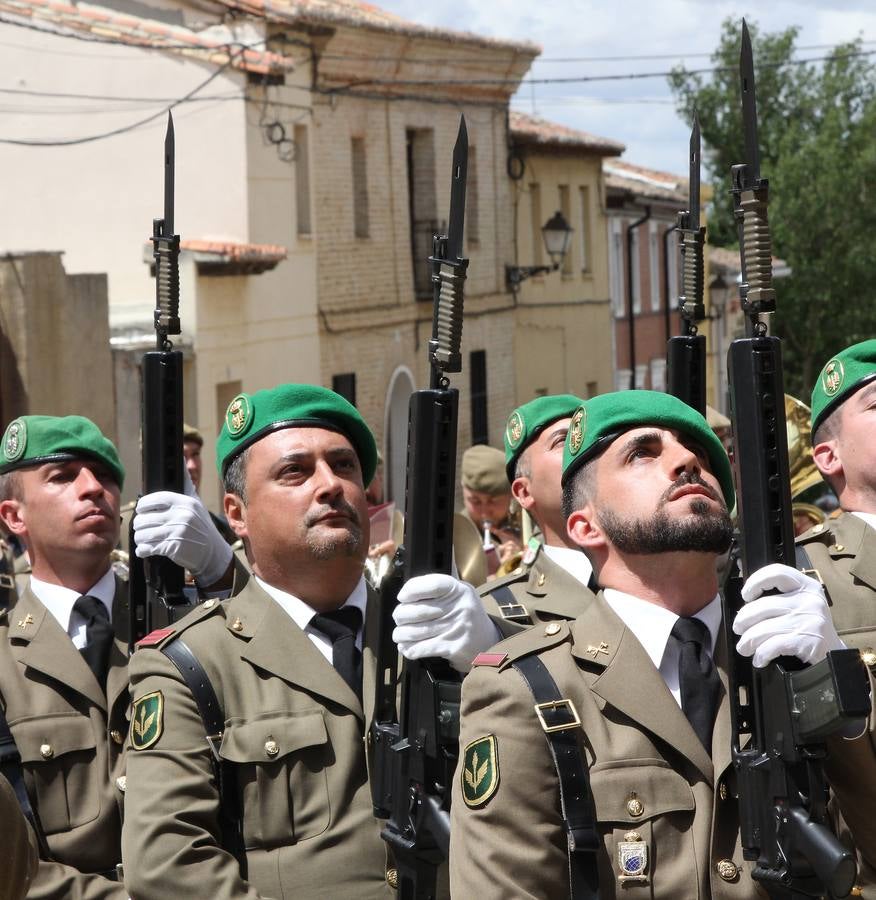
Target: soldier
[
  {"x": 63, "y": 671},
  {"x": 18, "y": 851},
  {"x": 632, "y": 693},
  {"x": 554, "y": 578},
  {"x": 291, "y": 660}
]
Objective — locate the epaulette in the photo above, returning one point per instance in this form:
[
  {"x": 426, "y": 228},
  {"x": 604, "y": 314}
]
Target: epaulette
[
  {"x": 821, "y": 533},
  {"x": 161, "y": 636},
  {"x": 534, "y": 640},
  {"x": 519, "y": 574}
]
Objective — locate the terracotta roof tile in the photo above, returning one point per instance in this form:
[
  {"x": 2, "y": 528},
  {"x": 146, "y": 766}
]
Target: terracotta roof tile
[
  {"x": 625, "y": 176},
  {"x": 526, "y": 129}
]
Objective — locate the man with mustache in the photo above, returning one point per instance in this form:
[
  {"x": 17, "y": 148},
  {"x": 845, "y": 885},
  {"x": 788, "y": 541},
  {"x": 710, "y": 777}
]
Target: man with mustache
[
  {"x": 597, "y": 752},
  {"x": 63, "y": 671},
  {"x": 291, "y": 659}
]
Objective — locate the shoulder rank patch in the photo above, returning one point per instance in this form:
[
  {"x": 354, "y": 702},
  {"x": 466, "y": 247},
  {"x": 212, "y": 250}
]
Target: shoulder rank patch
[
  {"x": 489, "y": 659},
  {"x": 154, "y": 637},
  {"x": 480, "y": 771},
  {"x": 147, "y": 720}
]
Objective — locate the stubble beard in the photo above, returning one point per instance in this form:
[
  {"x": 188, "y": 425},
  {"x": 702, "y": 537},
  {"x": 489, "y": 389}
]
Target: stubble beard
[{"x": 326, "y": 542}]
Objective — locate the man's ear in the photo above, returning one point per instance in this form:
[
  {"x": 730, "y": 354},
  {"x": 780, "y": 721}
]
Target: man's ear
[
  {"x": 235, "y": 513},
  {"x": 826, "y": 458},
  {"x": 10, "y": 517},
  {"x": 520, "y": 491},
  {"x": 583, "y": 528}
]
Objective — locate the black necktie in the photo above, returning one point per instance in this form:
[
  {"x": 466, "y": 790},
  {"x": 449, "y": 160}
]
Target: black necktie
[
  {"x": 697, "y": 677},
  {"x": 341, "y": 627},
  {"x": 98, "y": 635}
]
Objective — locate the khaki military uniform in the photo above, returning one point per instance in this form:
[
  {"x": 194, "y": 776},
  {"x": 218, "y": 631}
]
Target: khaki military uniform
[
  {"x": 295, "y": 732},
  {"x": 651, "y": 779},
  {"x": 18, "y": 850},
  {"x": 538, "y": 590},
  {"x": 69, "y": 733}
]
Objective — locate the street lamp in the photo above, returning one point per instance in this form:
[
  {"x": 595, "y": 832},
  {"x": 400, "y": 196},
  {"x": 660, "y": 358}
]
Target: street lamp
[{"x": 557, "y": 235}]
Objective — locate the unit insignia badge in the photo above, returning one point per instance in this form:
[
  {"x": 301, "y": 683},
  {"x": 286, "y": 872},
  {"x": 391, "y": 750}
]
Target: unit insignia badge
[
  {"x": 15, "y": 440},
  {"x": 514, "y": 429},
  {"x": 576, "y": 430},
  {"x": 237, "y": 416},
  {"x": 632, "y": 857},
  {"x": 832, "y": 377},
  {"x": 480, "y": 771},
  {"x": 147, "y": 720}
]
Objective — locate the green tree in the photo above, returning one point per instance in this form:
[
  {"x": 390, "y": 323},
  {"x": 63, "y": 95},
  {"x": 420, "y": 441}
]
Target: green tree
[{"x": 817, "y": 123}]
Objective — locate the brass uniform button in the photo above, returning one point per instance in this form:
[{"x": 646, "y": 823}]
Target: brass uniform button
[
  {"x": 117, "y": 736},
  {"x": 727, "y": 869},
  {"x": 122, "y": 783},
  {"x": 553, "y": 628},
  {"x": 722, "y": 791},
  {"x": 517, "y": 571},
  {"x": 856, "y": 891},
  {"x": 540, "y": 581},
  {"x": 635, "y": 807},
  {"x": 272, "y": 748},
  {"x": 817, "y": 529},
  {"x": 868, "y": 655},
  {"x": 46, "y": 751},
  {"x": 392, "y": 878},
  {"x": 237, "y": 625},
  {"x": 837, "y": 548},
  {"x": 209, "y": 604}
]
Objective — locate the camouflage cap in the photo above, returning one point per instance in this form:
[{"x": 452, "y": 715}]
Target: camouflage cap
[
  {"x": 483, "y": 469},
  {"x": 841, "y": 376},
  {"x": 250, "y": 417},
  {"x": 33, "y": 440},
  {"x": 190, "y": 433},
  {"x": 527, "y": 422},
  {"x": 601, "y": 420}
]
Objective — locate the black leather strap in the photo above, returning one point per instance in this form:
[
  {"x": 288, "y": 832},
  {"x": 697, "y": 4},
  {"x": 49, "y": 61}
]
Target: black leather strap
[
  {"x": 509, "y": 607},
  {"x": 194, "y": 675},
  {"x": 10, "y": 767},
  {"x": 559, "y": 719}
]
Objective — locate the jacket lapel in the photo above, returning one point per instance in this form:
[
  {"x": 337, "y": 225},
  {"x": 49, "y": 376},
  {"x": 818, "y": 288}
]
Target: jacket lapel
[
  {"x": 117, "y": 676},
  {"x": 41, "y": 644},
  {"x": 722, "y": 738},
  {"x": 630, "y": 682},
  {"x": 856, "y": 535},
  {"x": 274, "y": 642}
]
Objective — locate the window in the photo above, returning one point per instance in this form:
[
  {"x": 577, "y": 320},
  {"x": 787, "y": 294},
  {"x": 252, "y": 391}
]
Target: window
[
  {"x": 536, "y": 223},
  {"x": 302, "y": 180},
  {"x": 641, "y": 376},
  {"x": 636, "y": 266},
  {"x": 360, "y": 188},
  {"x": 622, "y": 380},
  {"x": 654, "y": 260},
  {"x": 584, "y": 226},
  {"x": 422, "y": 206},
  {"x": 616, "y": 267},
  {"x": 345, "y": 385},
  {"x": 477, "y": 366},
  {"x": 658, "y": 374},
  {"x": 567, "y": 215},
  {"x": 472, "y": 220}
]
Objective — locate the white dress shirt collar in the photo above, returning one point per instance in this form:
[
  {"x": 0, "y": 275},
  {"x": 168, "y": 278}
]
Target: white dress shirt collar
[
  {"x": 869, "y": 518},
  {"x": 575, "y": 562},
  {"x": 59, "y": 600}
]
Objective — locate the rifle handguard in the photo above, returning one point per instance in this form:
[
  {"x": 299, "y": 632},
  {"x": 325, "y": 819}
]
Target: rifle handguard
[
  {"x": 757, "y": 251},
  {"x": 691, "y": 300},
  {"x": 445, "y": 349},
  {"x": 166, "y": 256}
]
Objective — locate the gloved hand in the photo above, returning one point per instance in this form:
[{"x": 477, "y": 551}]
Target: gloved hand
[
  {"x": 179, "y": 527},
  {"x": 437, "y": 615},
  {"x": 794, "y": 622}
]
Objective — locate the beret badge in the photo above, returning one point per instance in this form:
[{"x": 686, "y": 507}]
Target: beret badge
[
  {"x": 238, "y": 415},
  {"x": 832, "y": 377},
  {"x": 515, "y": 429},
  {"x": 15, "y": 440},
  {"x": 576, "y": 430}
]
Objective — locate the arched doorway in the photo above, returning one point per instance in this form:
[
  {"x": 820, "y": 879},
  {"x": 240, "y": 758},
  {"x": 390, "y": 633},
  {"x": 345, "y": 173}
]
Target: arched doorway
[{"x": 401, "y": 386}]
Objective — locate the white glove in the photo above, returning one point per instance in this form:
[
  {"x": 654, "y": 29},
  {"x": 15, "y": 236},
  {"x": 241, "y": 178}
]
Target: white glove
[
  {"x": 180, "y": 527},
  {"x": 794, "y": 622},
  {"x": 437, "y": 615}
]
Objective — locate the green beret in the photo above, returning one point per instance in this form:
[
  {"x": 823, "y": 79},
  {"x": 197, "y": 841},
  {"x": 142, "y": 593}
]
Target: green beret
[
  {"x": 527, "y": 422},
  {"x": 33, "y": 440},
  {"x": 250, "y": 417},
  {"x": 846, "y": 373},
  {"x": 483, "y": 469},
  {"x": 602, "y": 419}
]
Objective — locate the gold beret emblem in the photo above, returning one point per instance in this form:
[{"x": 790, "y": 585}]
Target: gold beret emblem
[
  {"x": 832, "y": 377},
  {"x": 576, "y": 430},
  {"x": 15, "y": 440},
  {"x": 514, "y": 430},
  {"x": 238, "y": 414}
]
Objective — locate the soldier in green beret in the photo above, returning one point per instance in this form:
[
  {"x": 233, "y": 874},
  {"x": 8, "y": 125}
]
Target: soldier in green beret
[
  {"x": 554, "y": 578},
  {"x": 291, "y": 658},
  {"x": 63, "y": 650},
  {"x": 631, "y": 696}
]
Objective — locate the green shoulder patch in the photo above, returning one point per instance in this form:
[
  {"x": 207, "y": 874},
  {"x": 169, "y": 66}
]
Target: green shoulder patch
[
  {"x": 147, "y": 720},
  {"x": 480, "y": 771}
]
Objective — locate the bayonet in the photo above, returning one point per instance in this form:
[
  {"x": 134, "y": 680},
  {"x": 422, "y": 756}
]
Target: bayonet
[
  {"x": 169, "y": 162},
  {"x": 166, "y": 254},
  {"x": 694, "y": 193},
  {"x": 456, "y": 219},
  {"x": 749, "y": 109}
]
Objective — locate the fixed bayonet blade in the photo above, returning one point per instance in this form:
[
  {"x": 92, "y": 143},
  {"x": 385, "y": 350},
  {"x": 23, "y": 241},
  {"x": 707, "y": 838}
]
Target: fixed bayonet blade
[
  {"x": 169, "y": 153},
  {"x": 749, "y": 107},
  {"x": 695, "y": 146},
  {"x": 456, "y": 219}
]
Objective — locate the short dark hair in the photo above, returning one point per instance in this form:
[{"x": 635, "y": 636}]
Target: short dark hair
[
  {"x": 235, "y": 475},
  {"x": 10, "y": 486},
  {"x": 578, "y": 490}
]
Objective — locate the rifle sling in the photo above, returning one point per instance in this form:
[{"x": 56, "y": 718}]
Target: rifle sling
[
  {"x": 561, "y": 724},
  {"x": 213, "y": 717},
  {"x": 509, "y": 606}
]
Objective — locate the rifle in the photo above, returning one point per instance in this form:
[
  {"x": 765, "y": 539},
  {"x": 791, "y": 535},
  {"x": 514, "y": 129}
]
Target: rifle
[
  {"x": 785, "y": 710},
  {"x": 415, "y": 752},
  {"x": 686, "y": 352},
  {"x": 156, "y": 585}
]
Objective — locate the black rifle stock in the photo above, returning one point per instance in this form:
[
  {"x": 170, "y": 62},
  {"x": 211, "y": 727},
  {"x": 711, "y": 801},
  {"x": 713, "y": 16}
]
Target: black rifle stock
[
  {"x": 415, "y": 751},
  {"x": 782, "y": 713},
  {"x": 686, "y": 353},
  {"x": 156, "y": 593}
]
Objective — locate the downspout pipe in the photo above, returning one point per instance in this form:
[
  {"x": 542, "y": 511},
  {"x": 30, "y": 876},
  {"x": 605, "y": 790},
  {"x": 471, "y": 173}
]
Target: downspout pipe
[{"x": 630, "y": 229}]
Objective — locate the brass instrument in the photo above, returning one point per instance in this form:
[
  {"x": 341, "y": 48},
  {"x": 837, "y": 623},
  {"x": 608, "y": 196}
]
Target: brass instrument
[{"x": 804, "y": 473}]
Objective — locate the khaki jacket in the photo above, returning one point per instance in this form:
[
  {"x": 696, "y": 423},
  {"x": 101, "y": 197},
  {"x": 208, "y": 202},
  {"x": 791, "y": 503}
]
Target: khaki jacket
[
  {"x": 69, "y": 733},
  {"x": 296, "y": 733},
  {"x": 649, "y": 774},
  {"x": 543, "y": 589},
  {"x": 18, "y": 850}
]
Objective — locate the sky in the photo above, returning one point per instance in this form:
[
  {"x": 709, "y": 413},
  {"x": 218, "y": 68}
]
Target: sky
[{"x": 638, "y": 112}]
